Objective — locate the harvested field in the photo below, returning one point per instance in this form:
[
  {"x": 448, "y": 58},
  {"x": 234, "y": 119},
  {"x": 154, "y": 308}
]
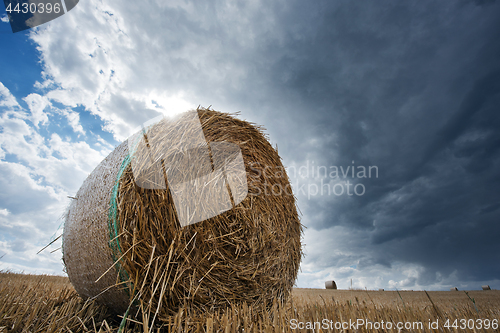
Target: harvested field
[{"x": 36, "y": 303}]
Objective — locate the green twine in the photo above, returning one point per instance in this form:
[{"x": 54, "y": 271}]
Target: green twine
[{"x": 114, "y": 243}]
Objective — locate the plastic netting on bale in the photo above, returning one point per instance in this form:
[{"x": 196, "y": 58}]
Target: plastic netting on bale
[{"x": 164, "y": 225}]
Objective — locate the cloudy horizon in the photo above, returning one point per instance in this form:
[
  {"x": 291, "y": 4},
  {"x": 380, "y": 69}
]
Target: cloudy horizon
[{"x": 409, "y": 92}]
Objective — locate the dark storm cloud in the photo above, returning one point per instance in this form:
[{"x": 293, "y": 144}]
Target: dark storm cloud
[
  {"x": 484, "y": 90},
  {"x": 413, "y": 88}
]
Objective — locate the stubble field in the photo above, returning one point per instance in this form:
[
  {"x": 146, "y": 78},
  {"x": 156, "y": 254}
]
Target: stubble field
[{"x": 37, "y": 303}]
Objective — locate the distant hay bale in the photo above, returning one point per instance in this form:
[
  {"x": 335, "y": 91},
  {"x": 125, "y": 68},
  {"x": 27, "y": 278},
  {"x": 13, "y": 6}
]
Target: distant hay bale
[
  {"x": 486, "y": 287},
  {"x": 126, "y": 242},
  {"x": 330, "y": 285},
  {"x": 454, "y": 289},
  {"x": 381, "y": 289}
]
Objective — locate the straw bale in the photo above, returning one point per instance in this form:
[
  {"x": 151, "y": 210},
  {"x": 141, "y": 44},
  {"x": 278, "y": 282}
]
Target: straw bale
[
  {"x": 245, "y": 247},
  {"x": 486, "y": 287},
  {"x": 330, "y": 285}
]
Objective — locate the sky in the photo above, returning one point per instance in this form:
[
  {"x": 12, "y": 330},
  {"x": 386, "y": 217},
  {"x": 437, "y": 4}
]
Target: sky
[{"x": 386, "y": 115}]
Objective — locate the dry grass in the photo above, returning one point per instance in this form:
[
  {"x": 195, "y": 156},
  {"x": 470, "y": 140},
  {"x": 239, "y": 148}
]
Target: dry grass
[
  {"x": 30, "y": 303},
  {"x": 40, "y": 303}
]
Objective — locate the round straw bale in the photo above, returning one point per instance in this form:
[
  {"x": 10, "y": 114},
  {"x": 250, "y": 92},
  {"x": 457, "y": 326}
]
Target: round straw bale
[
  {"x": 138, "y": 235},
  {"x": 330, "y": 285}
]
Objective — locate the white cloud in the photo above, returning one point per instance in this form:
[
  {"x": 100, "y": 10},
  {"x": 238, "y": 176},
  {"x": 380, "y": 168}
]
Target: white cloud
[
  {"x": 73, "y": 119},
  {"x": 133, "y": 62},
  {"x": 38, "y": 173},
  {"x": 34, "y": 215},
  {"x": 4, "y": 18},
  {"x": 6, "y": 98},
  {"x": 37, "y": 105},
  {"x": 75, "y": 159},
  {"x": 15, "y": 135},
  {"x": 20, "y": 256}
]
